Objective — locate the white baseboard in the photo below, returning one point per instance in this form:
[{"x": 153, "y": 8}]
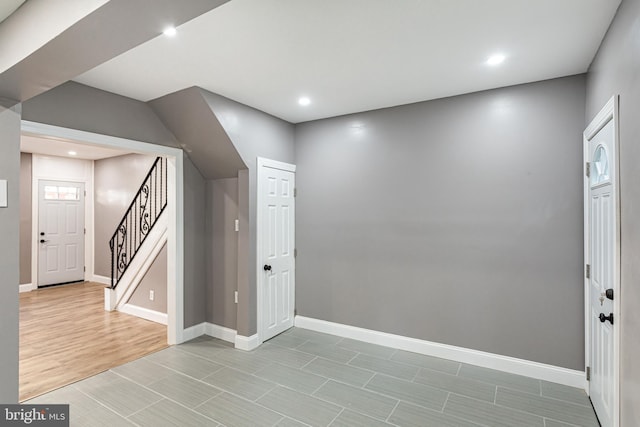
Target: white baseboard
[
  {"x": 509, "y": 364},
  {"x": 247, "y": 343},
  {"x": 28, "y": 287},
  {"x": 193, "y": 332},
  {"x": 145, "y": 313},
  {"x": 220, "y": 332},
  {"x": 100, "y": 279}
]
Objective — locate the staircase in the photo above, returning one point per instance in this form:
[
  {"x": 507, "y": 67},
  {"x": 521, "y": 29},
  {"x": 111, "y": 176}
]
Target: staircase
[{"x": 139, "y": 237}]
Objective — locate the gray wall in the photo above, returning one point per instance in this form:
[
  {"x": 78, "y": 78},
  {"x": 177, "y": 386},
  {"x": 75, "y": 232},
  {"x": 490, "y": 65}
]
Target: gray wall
[
  {"x": 222, "y": 251},
  {"x": 116, "y": 182},
  {"x": 457, "y": 221},
  {"x": 254, "y": 134},
  {"x": 25, "y": 218},
  {"x": 195, "y": 263},
  {"x": 615, "y": 71},
  {"x": 154, "y": 280},
  {"x": 94, "y": 110},
  {"x": 9, "y": 256}
]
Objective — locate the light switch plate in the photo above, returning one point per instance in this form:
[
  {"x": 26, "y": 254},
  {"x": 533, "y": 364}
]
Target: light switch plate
[{"x": 3, "y": 193}]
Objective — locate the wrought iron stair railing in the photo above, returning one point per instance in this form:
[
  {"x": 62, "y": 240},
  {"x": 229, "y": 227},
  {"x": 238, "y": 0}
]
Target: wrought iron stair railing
[{"x": 145, "y": 209}]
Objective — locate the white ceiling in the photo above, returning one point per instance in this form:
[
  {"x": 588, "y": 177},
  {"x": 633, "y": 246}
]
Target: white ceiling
[
  {"x": 356, "y": 55},
  {"x": 7, "y": 7},
  {"x": 61, "y": 148}
]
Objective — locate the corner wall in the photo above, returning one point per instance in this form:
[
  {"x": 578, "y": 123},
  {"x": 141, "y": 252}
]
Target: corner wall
[
  {"x": 457, "y": 221},
  {"x": 9, "y": 256},
  {"x": 615, "y": 71}
]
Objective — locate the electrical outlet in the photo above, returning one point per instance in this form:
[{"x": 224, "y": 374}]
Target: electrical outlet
[
  {"x": 152, "y": 295},
  {"x": 235, "y": 297}
]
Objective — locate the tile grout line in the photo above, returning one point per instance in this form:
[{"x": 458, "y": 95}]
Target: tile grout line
[
  {"x": 445, "y": 403},
  {"x": 336, "y": 417},
  {"x": 392, "y": 411}
]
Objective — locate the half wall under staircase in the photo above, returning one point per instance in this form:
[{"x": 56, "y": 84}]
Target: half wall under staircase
[{"x": 139, "y": 237}]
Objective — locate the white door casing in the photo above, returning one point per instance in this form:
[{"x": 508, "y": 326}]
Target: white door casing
[
  {"x": 60, "y": 232},
  {"x": 602, "y": 254},
  {"x": 276, "y": 245}
]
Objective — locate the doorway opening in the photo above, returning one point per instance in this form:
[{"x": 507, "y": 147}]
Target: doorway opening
[{"x": 50, "y": 252}]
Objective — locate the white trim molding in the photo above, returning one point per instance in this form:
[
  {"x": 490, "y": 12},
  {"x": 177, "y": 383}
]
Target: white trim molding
[
  {"x": 220, "y": 332},
  {"x": 27, "y": 287},
  {"x": 103, "y": 280},
  {"x": 247, "y": 343},
  {"x": 194, "y": 331},
  {"x": 144, "y": 313},
  {"x": 508, "y": 364},
  {"x": 223, "y": 333}
]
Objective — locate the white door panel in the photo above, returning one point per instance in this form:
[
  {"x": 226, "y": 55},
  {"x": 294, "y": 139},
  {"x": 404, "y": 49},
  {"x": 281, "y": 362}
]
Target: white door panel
[
  {"x": 603, "y": 258},
  {"x": 61, "y": 232},
  {"x": 277, "y": 234}
]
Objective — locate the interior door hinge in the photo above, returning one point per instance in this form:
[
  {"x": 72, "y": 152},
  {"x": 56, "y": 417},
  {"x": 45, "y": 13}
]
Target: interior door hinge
[
  {"x": 84, "y": 269},
  {"x": 295, "y": 192},
  {"x": 295, "y": 253},
  {"x": 588, "y": 373},
  {"x": 588, "y": 169},
  {"x": 587, "y": 271}
]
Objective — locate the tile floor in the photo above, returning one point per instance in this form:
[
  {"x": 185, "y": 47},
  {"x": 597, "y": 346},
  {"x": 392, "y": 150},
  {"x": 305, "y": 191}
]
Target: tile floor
[{"x": 304, "y": 378}]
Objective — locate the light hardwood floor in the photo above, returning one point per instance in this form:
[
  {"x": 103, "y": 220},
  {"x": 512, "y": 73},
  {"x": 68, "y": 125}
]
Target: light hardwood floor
[{"x": 66, "y": 335}]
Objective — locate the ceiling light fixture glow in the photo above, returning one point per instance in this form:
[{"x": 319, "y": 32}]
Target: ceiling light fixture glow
[
  {"x": 170, "y": 31},
  {"x": 304, "y": 101},
  {"x": 496, "y": 59},
  {"x": 72, "y": 153}
]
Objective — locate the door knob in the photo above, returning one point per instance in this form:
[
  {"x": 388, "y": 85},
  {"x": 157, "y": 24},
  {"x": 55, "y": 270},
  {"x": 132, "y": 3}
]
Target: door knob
[
  {"x": 609, "y": 317},
  {"x": 267, "y": 267},
  {"x": 43, "y": 241}
]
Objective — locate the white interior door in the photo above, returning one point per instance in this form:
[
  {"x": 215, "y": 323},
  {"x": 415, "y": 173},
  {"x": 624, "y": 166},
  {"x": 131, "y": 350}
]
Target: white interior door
[
  {"x": 276, "y": 210},
  {"x": 61, "y": 232},
  {"x": 604, "y": 271}
]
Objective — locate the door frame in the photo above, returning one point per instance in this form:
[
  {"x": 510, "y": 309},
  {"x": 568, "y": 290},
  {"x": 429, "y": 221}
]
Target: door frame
[
  {"x": 608, "y": 113},
  {"x": 175, "y": 210},
  {"x": 35, "y": 226},
  {"x": 262, "y": 162}
]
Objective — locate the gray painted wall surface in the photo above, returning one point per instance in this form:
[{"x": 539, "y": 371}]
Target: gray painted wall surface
[
  {"x": 254, "y": 134},
  {"x": 195, "y": 263},
  {"x": 245, "y": 268},
  {"x": 615, "y": 71},
  {"x": 154, "y": 280},
  {"x": 222, "y": 251},
  {"x": 191, "y": 120},
  {"x": 95, "y": 110},
  {"x": 25, "y": 218},
  {"x": 116, "y": 182},
  {"x": 9, "y": 256},
  {"x": 457, "y": 221}
]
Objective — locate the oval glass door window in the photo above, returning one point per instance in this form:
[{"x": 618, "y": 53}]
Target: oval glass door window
[{"x": 600, "y": 164}]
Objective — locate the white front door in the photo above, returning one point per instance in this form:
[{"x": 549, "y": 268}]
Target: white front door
[
  {"x": 60, "y": 232},
  {"x": 604, "y": 272},
  {"x": 276, "y": 231}
]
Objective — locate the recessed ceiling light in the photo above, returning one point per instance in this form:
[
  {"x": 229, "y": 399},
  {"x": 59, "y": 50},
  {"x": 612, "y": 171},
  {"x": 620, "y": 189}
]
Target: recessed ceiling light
[
  {"x": 170, "y": 31},
  {"x": 72, "y": 153},
  {"x": 496, "y": 59},
  {"x": 304, "y": 101}
]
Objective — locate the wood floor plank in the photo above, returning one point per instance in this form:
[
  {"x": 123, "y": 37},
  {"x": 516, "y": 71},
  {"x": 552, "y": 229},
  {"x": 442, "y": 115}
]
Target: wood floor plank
[{"x": 66, "y": 335}]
